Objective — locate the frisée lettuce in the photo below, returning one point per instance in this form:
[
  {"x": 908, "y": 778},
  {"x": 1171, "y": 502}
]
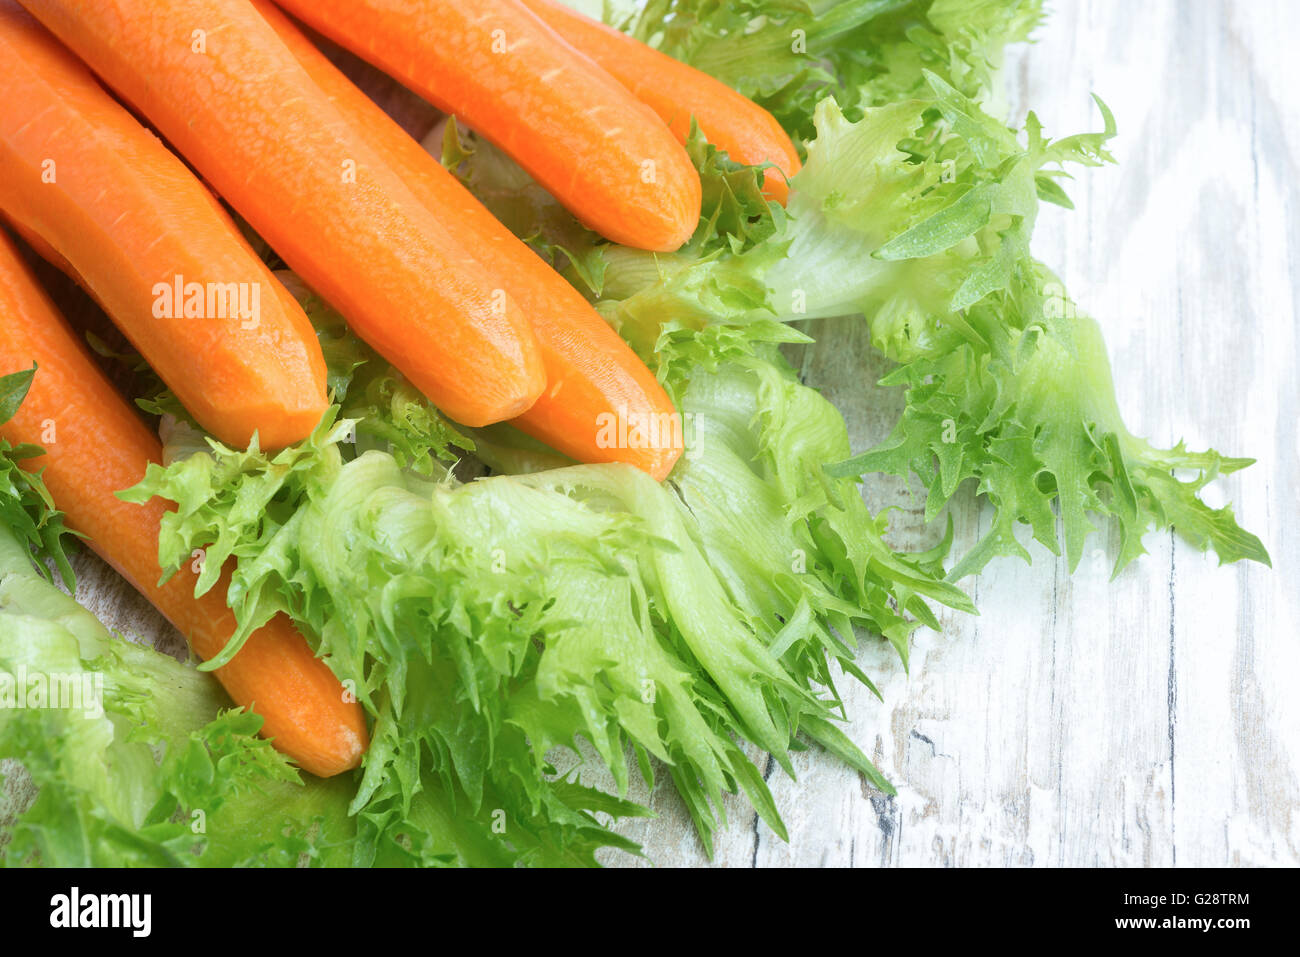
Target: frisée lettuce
[{"x": 485, "y": 623}]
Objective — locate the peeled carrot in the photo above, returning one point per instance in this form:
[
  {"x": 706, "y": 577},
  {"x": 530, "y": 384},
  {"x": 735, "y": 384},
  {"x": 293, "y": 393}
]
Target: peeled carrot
[
  {"x": 587, "y": 140},
  {"x": 677, "y": 92},
  {"x": 95, "y": 446},
  {"x": 103, "y": 199},
  {"x": 217, "y": 82},
  {"x": 593, "y": 377}
]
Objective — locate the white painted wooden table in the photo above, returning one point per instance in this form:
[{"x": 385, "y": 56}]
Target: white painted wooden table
[{"x": 1147, "y": 721}]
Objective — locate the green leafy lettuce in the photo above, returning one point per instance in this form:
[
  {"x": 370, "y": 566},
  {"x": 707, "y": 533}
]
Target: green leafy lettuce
[
  {"x": 918, "y": 217},
  {"x": 485, "y": 624},
  {"x": 127, "y": 756},
  {"x": 789, "y": 55}
]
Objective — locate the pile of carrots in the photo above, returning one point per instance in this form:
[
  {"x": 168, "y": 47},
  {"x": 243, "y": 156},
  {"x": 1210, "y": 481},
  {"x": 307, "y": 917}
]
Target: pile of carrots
[{"x": 418, "y": 267}]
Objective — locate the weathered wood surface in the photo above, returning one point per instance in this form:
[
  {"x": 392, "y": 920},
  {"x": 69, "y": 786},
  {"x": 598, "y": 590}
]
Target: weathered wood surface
[{"x": 1145, "y": 721}]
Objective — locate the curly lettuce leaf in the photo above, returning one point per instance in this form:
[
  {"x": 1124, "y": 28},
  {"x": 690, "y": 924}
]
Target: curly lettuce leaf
[
  {"x": 153, "y": 768},
  {"x": 754, "y": 487},
  {"x": 26, "y": 509},
  {"x": 918, "y": 217},
  {"x": 140, "y": 761},
  {"x": 485, "y": 624},
  {"x": 783, "y": 563},
  {"x": 1007, "y": 382},
  {"x": 131, "y": 757},
  {"x": 1036, "y": 426},
  {"x": 789, "y": 55},
  {"x": 148, "y": 770}
]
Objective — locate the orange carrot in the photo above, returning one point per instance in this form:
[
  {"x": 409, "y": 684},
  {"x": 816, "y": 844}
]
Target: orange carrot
[
  {"x": 594, "y": 146},
  {"x": 677, "y": 92},
  {"x": 103, "y": 199},
  {"x": 593, "y": 377},
  {"x": 96, "y": 446},
  {"x": 217, "y": 82}
]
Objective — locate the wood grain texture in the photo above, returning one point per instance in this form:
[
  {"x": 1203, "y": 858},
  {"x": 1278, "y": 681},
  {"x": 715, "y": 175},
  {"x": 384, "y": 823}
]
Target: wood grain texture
[{"x": 1077, "y": 721}]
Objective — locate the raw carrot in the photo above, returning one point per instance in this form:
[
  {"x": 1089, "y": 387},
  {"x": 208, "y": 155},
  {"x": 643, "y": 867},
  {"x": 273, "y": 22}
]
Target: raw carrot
[
  {"x": 103, "y": 199},
  {"x": 587, "y": 140},
  {"x": 94, "y": 447},
  {"x": 216, "y": 81},
  {"x": 594, "y": 378},
  {"x": 677, "y": 92}
]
